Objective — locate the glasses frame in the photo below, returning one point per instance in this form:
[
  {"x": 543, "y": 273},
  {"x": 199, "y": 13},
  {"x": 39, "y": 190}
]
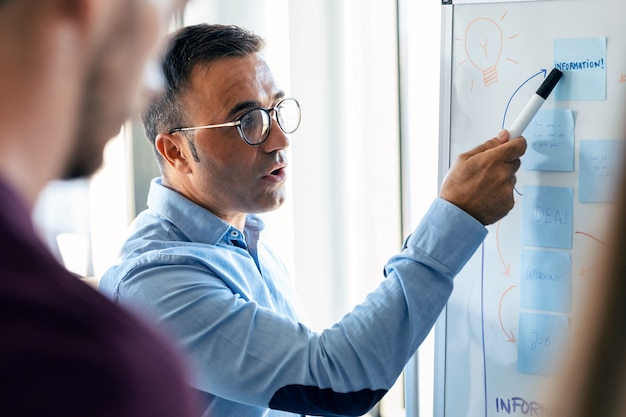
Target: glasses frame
[{"x": 237, "y": 122}]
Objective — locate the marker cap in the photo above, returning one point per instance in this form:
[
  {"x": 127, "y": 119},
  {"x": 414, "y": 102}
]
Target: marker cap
[{"x": 549, "y": 83}]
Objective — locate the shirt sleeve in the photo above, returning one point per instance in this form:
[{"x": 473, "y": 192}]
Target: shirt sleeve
[{"x": 248, "y": 354}]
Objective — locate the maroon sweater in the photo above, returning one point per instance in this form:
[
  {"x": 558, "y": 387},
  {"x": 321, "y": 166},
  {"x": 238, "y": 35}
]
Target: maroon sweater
[{"x": 65, "y": 350}]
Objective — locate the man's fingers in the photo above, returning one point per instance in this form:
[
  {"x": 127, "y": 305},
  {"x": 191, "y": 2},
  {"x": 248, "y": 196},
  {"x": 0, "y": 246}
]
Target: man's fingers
[
  {"x": 483, "y": 179},
  {"x": 512, "y": 150},
  {"x": 515, "y": 165},
  {"x": 501, "y": 139}
]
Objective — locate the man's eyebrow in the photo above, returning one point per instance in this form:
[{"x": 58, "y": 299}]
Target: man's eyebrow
[
  {"x": 245, "y": 105},
  {"x": 280, "y": 95},
  {"x": 239, "y": 107}
]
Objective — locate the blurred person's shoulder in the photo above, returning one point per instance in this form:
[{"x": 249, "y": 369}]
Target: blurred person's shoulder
[{"x": 68, "y": 350}]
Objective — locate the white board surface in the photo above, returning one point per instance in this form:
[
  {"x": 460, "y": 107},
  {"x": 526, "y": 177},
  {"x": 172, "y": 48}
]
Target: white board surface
[{"x": 499, "y": 322}]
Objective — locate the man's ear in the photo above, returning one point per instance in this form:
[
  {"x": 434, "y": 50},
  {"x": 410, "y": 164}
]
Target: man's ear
[{"x": 172, "y": 149}]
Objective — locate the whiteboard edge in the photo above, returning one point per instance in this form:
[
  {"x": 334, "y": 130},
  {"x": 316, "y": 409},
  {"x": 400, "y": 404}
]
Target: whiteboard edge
[{"x": 444, "y": 164}]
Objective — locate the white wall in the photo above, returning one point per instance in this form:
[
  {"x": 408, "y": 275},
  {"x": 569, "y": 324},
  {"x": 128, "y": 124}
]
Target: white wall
[
  {"x": 420, "y": 30},
  {"x": 346, "y": 157}
]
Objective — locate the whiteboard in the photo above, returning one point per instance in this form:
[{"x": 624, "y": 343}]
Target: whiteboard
[{"x": 502, "y": 322}]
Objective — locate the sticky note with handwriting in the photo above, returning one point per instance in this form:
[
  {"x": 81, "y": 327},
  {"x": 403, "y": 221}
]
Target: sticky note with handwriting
[
  {"x": 545, "y": 280},
  {"x": 583, "y": 63},
  {"x": 542, "y": 340},
  {"x": 599, "y": 169},
  {"x": 547, "y": 216},
  {"x": 550, "y": 138}
]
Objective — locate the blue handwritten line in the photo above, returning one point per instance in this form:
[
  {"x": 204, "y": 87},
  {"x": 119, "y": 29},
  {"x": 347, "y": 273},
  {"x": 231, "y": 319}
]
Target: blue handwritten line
[
  {"x": 482, "y": 316},
  {"x": 543, "y": 71},
  {"x": 506, "y": 110}
]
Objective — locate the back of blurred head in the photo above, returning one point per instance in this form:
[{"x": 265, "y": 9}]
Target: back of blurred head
[{"x": 71, "y": 75}]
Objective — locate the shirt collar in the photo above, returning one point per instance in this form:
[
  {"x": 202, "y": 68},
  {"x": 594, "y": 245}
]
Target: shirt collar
[{"x": 196, "y": 222}]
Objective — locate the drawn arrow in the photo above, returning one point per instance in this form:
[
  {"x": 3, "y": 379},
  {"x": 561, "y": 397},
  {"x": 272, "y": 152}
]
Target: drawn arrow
[
  {"x": 584, "y": 271},
  {"x": 511, "y": 336},
  {"x": 507, "y": 266},
  {"x": 542, "y": 71},
  {"x": 506, "y": 110},
  {"x": 592, "y": 237}
]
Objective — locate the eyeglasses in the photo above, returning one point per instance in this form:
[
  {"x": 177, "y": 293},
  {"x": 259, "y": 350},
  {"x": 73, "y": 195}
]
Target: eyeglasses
[{"x": 254, "y": 125}]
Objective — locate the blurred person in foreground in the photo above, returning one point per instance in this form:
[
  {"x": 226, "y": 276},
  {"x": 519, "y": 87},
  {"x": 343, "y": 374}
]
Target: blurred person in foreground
[
  {"x": 195, "y": 262},
  {"x": 69, "y": 71},
  {"x": 593, "y": 379}
]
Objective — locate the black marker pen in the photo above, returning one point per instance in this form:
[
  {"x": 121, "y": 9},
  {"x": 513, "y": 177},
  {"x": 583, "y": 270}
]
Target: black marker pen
[{"x": 534, "y": 104}]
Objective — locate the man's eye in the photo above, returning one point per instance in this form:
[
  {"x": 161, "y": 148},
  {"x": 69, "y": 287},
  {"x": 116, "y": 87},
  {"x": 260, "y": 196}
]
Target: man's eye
[{"x": 249, "y": 121}]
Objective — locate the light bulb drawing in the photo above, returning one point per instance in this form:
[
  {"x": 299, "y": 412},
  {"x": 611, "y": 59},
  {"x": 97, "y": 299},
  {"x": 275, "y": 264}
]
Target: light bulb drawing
[{"x": 483, "y": 46}]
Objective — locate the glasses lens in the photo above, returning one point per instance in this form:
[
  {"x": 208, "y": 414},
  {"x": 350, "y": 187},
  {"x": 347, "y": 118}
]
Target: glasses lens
[
  {"x": 288, "y": 115},
  {"x": 255, "y": 126}
]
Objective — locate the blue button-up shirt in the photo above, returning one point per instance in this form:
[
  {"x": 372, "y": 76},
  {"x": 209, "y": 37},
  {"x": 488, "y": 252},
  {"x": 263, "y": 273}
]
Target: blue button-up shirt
[{"x": 227, "y": 299}]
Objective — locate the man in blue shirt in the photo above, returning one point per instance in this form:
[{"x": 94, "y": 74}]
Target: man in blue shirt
[{"x": 195, "y": 262}]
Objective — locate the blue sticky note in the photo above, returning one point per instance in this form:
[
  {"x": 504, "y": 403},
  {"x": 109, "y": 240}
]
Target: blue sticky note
[
  {"x": 545, "y": 280},
  {"x": 583, "y": 63},
  {"x": 550, "y": 138},
  {"x": 599, "y": 169},
  {"x": 547, "y": 214},
  {"x": 542, "y": 341}
]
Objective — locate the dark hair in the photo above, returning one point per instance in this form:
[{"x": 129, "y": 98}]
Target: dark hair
[{"x": 190, "y": 46}]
